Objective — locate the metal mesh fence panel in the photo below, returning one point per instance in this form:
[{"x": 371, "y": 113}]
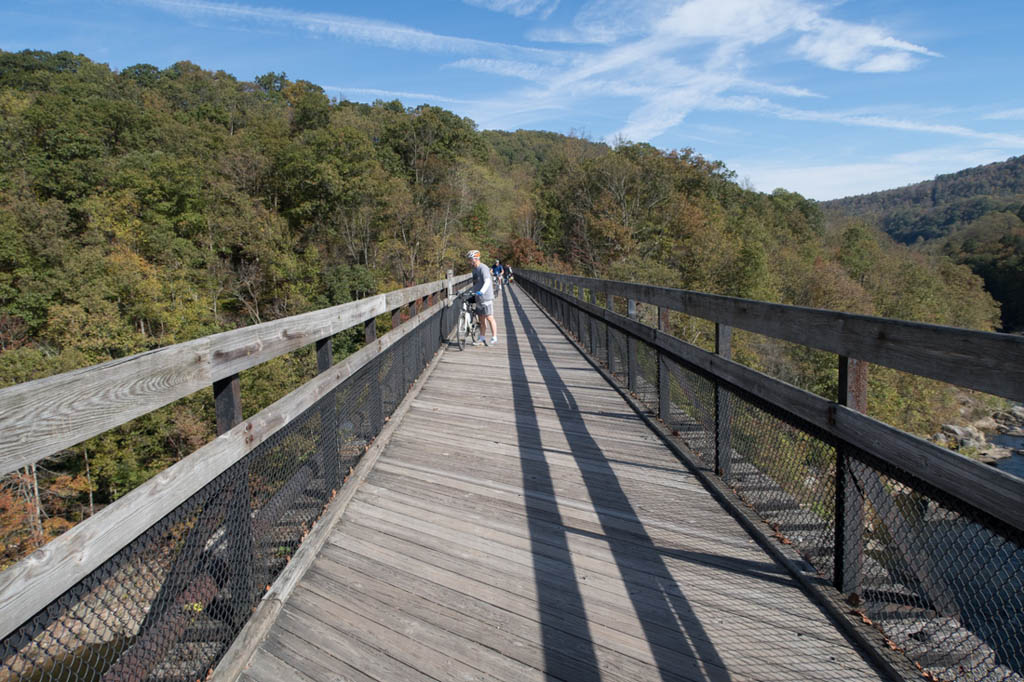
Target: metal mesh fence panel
[
  {"x": 786, "y": 475},
  {"x": 617, "y": 356},
  {"x": 168, "y": 605},
  {"x": 942, "y": 581},
  {"x": 601, "y": 342},
  {"x": 647, "y": 375},
  {"x": 692, "y": 412}
]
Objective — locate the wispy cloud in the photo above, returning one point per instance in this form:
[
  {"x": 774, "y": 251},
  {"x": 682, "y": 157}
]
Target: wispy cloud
[
  {"x": 1007, "y": 115},
  {"x": 763, "y": 106},
  {"x": 676, "y": 57},
  {"x": 663, "y": 59},
  {"x": 366, "y": 31},
  {"x": 518, "y": 8},
  {"x": 529, "y": 71}
]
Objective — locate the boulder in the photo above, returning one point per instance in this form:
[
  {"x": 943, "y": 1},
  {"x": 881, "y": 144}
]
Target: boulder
[
  {"x": 963, "y": 433},
  {"x": 987, "y": 424}
]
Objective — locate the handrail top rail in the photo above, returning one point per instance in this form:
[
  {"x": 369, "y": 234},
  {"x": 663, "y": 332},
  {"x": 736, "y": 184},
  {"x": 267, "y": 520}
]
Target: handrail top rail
[
  {"x": 34, "y": 581},
  {"x": 991, "y": 362},
  {"x": 42, "y": 417},
  {"x": 984, "y": 488}
]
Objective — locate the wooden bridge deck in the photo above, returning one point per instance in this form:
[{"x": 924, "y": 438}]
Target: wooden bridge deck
[{"x": 524, "y": 524}]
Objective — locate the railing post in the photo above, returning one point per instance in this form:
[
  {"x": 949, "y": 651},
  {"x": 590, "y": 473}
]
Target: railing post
[
  {"x": 849, "y": 522},
  {"x": 664, "y": 375},
  {"x": 609, "y": 304},
  {"x": 577, "y": 314},
  {"x": 723, "y": 446},
  {"x": 227, "y": 397},
  {"x": 329, "y": 443},
  {"x": 593, "y": 324},
  {"x": 632, "y": 361}
]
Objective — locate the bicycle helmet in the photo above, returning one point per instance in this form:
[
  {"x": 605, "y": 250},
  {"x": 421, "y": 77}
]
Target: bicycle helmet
[{"x": 472, "y": 253}]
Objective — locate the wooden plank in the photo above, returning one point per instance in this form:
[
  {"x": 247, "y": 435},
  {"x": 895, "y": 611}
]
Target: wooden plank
[
  {"x": 988, "y": 489},
  {"x": 609, "y": 604},
  {"x": 32, "y": 583},
  {"x": 446, "y": 634},
  {"x": 642, "y": 578},
  {"x": 985, "y": 361},
  {"x": 42, "y": 417},
  {"x": 304, "y": 653},
  {"x": 449, "y": 558},
  {"x": 680, "y": 533},
  {"x": 561, "y": 655},
  {"x": 402, "y": 638},
  {"x": 510, "y": 589},
  {"x": 341, "y": 644},
  {"x": 270, "y": 668},
  {"x": 517, "y": 615},
  {"x": 39, "y": 418},
  {"x": 402, "y": 297}
]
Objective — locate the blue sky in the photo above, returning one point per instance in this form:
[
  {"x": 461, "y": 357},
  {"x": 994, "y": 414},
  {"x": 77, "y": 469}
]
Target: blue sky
[{"x": 824, "y": 98}]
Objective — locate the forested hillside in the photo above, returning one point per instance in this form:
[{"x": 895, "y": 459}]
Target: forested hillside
[
  {"x": 150, "y": 206},
  {"x": 974, "y": 216}
]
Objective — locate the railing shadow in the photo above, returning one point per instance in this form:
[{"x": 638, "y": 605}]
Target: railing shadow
[
  {"x": 705, "y": 614},
  {"x": 563, "y": 622},
  {"x": 670, "y": 625}
]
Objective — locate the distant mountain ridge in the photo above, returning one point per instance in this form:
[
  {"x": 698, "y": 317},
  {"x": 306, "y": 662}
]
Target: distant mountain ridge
[
  {"x": 934, "y": 208},
  {"x": 974, "y": 216}
]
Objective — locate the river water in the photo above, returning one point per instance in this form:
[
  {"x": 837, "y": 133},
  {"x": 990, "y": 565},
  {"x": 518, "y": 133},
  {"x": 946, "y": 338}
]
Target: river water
[{"x": 1014, "y": 464}]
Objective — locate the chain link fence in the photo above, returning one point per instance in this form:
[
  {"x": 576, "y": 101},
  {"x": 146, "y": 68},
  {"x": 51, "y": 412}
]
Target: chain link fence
[
  {"x": 167, "y": 606},
  {"x": 943, "y": 581}
]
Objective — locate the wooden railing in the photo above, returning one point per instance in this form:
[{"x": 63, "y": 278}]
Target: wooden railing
[
  {"x": 41, "y": 418},
  {"x": 913, "y": 533},
  {"x": 985, "y": 361}
]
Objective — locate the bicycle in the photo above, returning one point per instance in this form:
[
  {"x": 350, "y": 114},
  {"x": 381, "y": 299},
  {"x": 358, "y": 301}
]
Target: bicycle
[{"x": 468, "y": 326}]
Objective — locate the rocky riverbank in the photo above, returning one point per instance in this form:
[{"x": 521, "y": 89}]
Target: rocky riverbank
[{"x": 972, "y": 440}]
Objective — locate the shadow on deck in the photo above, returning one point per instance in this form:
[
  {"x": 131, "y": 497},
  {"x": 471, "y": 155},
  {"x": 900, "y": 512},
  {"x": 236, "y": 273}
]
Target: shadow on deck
[{"x": 524, "y": 524}]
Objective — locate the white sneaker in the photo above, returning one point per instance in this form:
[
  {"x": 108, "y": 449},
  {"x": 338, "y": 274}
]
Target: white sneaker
[
  {"x": 479, "y": 342},
  {"x": 494, "y": 340}
]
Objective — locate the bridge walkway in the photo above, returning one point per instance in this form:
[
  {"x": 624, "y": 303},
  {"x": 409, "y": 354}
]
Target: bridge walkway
[{"x": 524, "y": 524}]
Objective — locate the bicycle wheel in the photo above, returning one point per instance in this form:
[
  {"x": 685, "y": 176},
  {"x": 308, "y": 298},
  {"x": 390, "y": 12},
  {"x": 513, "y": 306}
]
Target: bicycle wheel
[{"x": 463, "y": 330}]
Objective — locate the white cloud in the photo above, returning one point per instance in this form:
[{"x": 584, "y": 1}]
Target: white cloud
[
  {"x": 767, "y": 107},
  {"x": 518, "y": 8},
  {"x": 832, "y": 181},
  {"x": 848, "y": 47},
  {"x": 505, "y": 67},
  {"x": 1007, "y": 115},
  {"x": 367, "y": 31},
  {"x": 664, "y": 58}
]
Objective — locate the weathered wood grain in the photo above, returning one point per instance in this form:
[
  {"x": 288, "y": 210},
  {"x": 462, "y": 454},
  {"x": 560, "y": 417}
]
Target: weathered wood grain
[
  {"x": 988, "y": 489},
  {"x": 462, "y": 565},
  {"x": 33, "y": 582},
  {"x": 985, "y": 361},
  {"x": 43, "y": 417},
  {"x": 247, "y": 642}
]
